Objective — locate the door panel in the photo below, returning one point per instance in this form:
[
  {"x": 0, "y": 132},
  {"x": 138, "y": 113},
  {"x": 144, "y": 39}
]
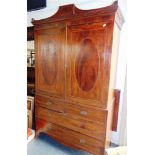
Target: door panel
[
  {"x": 88, "y": 64},
  {"x": 50, "y": 72}
]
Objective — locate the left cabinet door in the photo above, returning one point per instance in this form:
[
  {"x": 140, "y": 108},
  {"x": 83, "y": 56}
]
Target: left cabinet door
[{"x": 50, "y": 61}]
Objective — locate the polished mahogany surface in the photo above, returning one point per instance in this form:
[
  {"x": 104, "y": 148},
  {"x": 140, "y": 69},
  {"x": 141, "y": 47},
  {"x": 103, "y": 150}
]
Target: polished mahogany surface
[
  {"x": 87, "y": 64},
  {"x": 49, "y": 60},
  {"x": 69, "y": 137},
  {"x": 75, "y": 74},
  {"x": 50, "y": 72}
]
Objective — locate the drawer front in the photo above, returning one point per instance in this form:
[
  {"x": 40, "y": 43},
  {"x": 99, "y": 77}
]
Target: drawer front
[
  {"x": 69, "y": 137},
  {"x": 50, "y": 103},
  {"x": 91, "y": 129},
  {"x": 88, "y": 113}
]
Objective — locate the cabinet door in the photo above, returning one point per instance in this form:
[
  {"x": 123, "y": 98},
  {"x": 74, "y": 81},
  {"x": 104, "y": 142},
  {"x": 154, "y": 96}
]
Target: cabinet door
[
  {"x": 50, "y": 72},
  {"x": 88, "y": 60}
]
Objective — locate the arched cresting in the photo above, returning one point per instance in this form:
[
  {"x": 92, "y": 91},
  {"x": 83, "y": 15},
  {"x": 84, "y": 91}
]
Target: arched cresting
[
  {"x": 87, "y": 65},
  {"x": 49, "y": 62}
]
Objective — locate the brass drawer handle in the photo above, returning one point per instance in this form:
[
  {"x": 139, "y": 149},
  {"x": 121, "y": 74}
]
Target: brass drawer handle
[
  {"x": 50, "y": 127},
  {"x": 82, "y": 141},
  {"x": 84, "y": 113},
  {"x": 48, "y": 103}
]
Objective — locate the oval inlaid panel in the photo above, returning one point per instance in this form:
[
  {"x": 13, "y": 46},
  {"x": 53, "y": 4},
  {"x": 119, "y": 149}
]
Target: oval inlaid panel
[
  {"x": 87, "y": 65},
  {"x": 49, "y": 67}
]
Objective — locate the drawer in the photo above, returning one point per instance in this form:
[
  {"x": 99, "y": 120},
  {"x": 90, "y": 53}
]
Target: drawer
[
  {"x": 88, "y": 113},
  {"x": 50, "y": 103},
  {"x": 91, "y": 129},
  {"x": 69, "y": 137}
]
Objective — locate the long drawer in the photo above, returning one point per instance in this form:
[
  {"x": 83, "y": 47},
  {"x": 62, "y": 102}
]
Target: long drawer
[
  {"x": 69, "y": 137},
  {"x": 73, "y": 110},
  {"x": 86, "y": 113},
  {"x": 91, "y": 129}
]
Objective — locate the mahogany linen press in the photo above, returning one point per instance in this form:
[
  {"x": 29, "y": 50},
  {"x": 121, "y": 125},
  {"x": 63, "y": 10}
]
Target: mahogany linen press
[{"x": 76, "y": 57}]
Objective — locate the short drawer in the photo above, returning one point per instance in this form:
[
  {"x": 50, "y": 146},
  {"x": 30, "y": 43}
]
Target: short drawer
[
  {"x": 50, "y": 103},
  {"x": 88, "y": 113},
  {"x": 69, "y": 137},
  {"x": 91, "y": 129}
]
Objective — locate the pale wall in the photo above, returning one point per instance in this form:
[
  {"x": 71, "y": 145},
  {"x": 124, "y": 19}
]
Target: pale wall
[{"x": 30, "y": 44}]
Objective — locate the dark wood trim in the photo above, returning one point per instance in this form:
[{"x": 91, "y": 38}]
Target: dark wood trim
[
  {"x": 30, "y": 33},
  {"x": 116, "y": 109}
]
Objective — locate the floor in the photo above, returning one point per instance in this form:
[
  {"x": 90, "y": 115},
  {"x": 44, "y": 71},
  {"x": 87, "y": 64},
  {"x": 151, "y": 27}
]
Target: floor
[{"x": 44, "y": 145}]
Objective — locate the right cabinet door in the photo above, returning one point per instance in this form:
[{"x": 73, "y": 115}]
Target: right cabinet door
[{"x": 88, "y": 63}]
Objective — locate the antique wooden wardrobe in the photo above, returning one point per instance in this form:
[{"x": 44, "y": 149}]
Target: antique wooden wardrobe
[{"x": 76, "y": 55}]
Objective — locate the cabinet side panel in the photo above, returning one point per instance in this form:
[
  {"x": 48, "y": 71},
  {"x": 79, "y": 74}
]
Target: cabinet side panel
[{"x": 114, "y": 57}]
